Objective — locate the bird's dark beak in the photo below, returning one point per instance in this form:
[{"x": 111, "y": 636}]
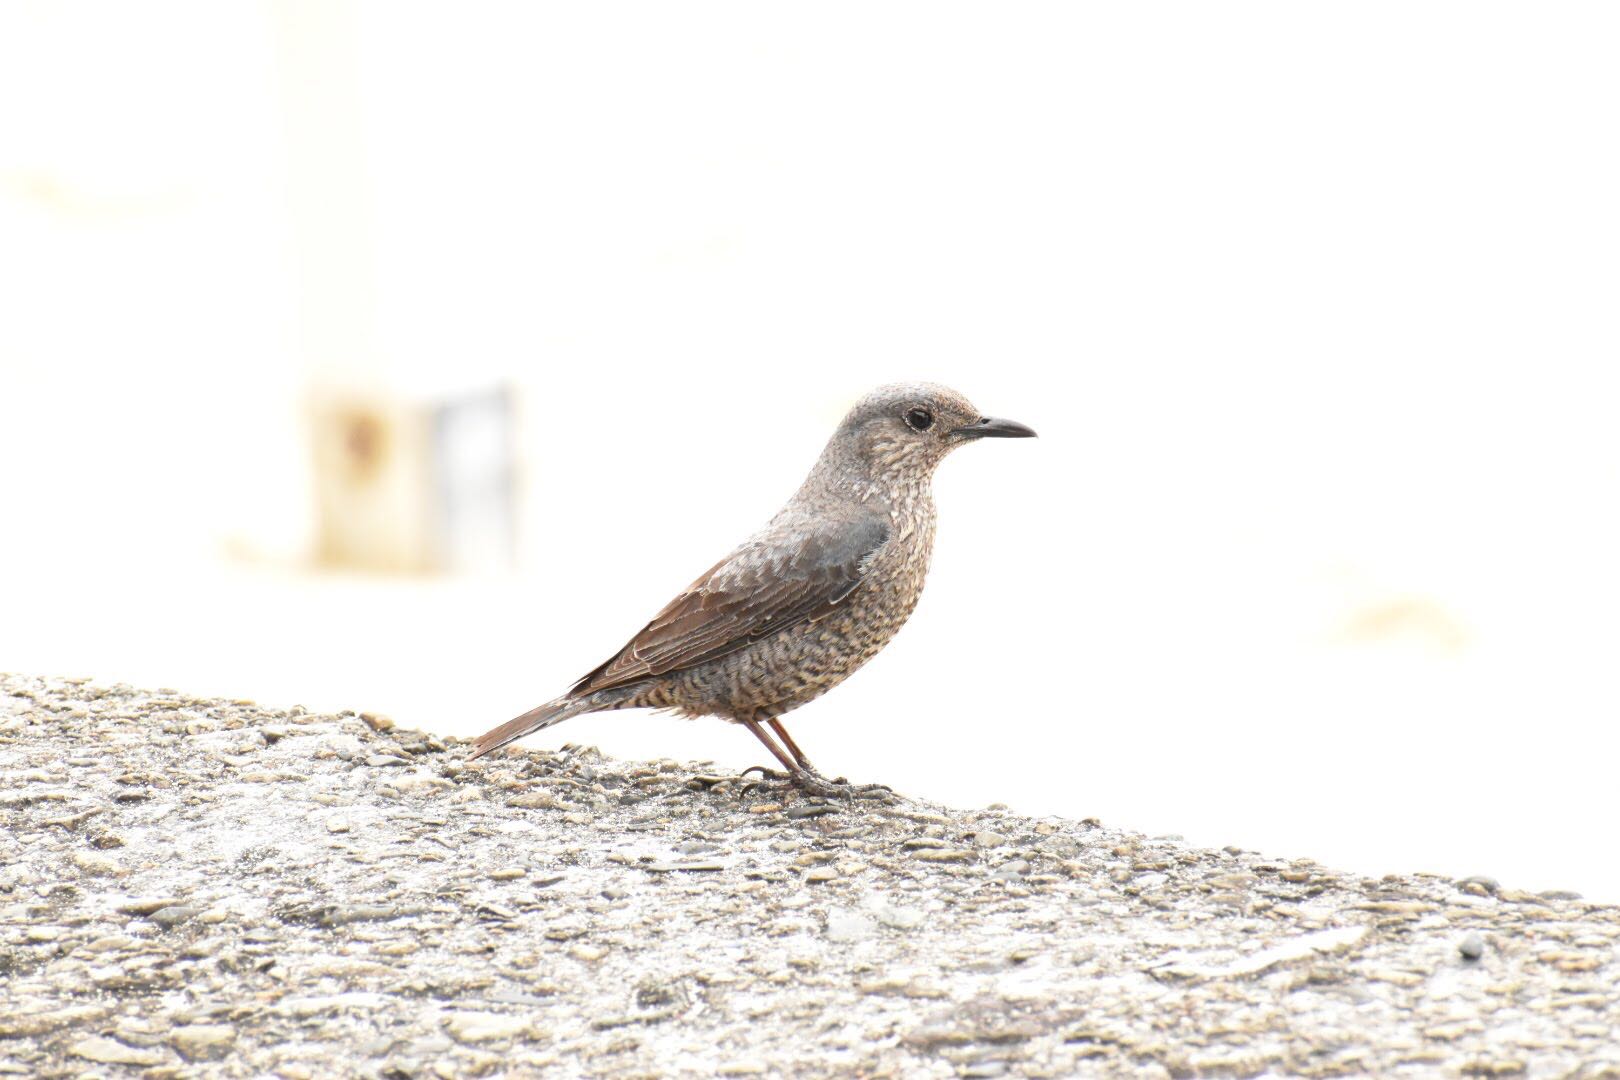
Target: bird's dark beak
[{"x": 993, "y": 427}]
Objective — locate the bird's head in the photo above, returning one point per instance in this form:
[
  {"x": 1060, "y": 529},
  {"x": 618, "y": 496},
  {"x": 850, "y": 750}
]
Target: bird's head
[{"x": 906, "y": 429}]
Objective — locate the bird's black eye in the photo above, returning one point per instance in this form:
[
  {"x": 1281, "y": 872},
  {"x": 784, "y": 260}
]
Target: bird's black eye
[{"x": 920, "y": 419}]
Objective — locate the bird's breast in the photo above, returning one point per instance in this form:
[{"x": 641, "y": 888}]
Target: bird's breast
[{"x": 894, "y": 580}]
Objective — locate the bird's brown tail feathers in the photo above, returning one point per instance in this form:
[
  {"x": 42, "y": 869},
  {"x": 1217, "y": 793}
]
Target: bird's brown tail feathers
[{"x": 542, "y": 716}]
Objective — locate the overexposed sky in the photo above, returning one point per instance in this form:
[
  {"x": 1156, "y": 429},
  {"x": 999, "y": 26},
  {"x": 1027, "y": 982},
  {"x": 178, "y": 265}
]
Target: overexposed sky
[{"x": 1313, "y": 306}]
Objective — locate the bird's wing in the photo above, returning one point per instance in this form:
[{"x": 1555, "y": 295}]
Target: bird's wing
[{"x": 778, "y": 579}]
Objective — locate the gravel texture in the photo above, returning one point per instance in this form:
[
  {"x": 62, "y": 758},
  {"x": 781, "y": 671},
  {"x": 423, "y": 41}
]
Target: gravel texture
[{"x": 196, "y": 887}]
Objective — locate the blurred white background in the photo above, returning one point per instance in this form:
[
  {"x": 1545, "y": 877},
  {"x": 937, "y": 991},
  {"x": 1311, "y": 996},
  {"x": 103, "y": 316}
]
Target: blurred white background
[{"x": 1314, "y": 307}]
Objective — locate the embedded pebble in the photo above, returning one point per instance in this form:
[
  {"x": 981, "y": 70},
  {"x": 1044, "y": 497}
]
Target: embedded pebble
[
  {"x": 146, "y": 905},
  {"x": 112, "y": 1052},
  {"x": 377, "y": 721},
  {"x": 846, "y": 926},
  {"x": 478, "y": 1027},
  {"x": 203, "y": 1041},
  {"x": 800, "y": 811},
  {"x": 93, "y": 863},
  {"x": 943, "y": 855},
  {"x": 173, "y": 914}
]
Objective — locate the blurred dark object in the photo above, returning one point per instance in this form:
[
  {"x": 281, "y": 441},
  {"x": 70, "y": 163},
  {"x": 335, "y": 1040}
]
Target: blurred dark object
[{"x": 416, "y": 487}]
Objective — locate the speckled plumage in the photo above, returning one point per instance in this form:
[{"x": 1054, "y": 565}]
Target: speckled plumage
[{"x": 809, "y": 598}]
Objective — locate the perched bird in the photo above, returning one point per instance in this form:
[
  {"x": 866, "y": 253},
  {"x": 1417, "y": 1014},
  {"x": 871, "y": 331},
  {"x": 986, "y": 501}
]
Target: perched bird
[{"x": 806, "y": 600}]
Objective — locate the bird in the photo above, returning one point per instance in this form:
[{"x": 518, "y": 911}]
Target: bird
[{"x": 797, "y": 607}]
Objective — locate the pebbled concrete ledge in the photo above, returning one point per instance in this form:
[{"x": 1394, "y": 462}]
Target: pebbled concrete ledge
[{"x": 196, "y": 887}]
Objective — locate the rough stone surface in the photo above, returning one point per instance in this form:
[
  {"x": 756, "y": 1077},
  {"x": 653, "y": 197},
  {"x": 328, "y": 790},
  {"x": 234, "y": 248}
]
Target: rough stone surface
[{"x": 174, "y": 902}]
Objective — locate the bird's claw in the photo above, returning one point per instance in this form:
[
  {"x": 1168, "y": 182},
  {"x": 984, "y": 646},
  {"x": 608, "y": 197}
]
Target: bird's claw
[
  {"x": 766, "y": 776},
  {"x": 813, "y": 783},
  {"x": 816, "y": 784},
  {"x": 865, "y": 791}
]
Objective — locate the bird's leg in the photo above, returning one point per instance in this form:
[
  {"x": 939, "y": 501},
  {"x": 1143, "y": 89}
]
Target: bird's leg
[
  {"x": 776, "y": 751},
  {"x": 805, "y": 775},
  {"x": 793, "y": 747}
]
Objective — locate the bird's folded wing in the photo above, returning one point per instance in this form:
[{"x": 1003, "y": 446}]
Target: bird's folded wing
[{"x": 787, "y": 576}]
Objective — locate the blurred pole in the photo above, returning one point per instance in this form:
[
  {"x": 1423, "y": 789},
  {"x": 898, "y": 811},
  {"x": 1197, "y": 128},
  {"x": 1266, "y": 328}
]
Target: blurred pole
[{"x": 327, "y": 189}]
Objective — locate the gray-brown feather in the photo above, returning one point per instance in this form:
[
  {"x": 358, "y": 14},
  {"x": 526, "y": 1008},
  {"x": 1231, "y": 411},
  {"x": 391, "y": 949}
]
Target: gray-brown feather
[
  {"x": 794, "y": 571},
  {"x": 770, "y": 675}
]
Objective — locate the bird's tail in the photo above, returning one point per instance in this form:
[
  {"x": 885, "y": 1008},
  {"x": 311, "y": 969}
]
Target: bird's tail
[{"x": 541, "y": 716}]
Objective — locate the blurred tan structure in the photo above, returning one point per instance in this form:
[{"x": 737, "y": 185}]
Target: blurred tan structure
[{"x": 405, "y": 486}]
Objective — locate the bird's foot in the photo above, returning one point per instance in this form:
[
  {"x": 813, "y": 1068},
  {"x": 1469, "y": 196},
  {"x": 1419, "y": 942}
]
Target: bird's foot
[
  {"x": 766, "y": 776},
  {"x": 814, "y": 783}
]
